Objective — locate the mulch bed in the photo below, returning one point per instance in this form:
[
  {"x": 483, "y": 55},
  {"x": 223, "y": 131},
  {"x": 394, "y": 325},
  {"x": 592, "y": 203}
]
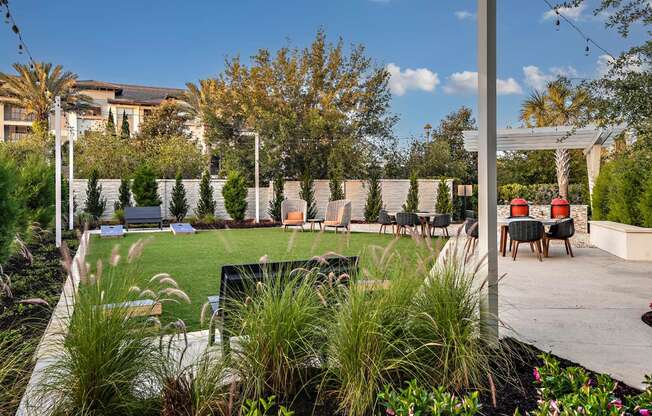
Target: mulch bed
[{"x": 647, "y": 318}]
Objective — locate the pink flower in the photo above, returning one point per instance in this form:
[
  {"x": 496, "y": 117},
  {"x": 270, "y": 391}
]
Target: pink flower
[
  {"x": 537, "y": 376},
  {"x": 391, "y": 412},
  {"x": 616, "y": 403},
  {"x": 644, "y": 412}
]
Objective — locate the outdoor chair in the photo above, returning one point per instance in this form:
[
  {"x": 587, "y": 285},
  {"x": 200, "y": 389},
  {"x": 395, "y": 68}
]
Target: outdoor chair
[
  {"x": 526, "y": 231},
  {"x": 563, "y": 230},
  {"x": 440, "y": 221},
  {"x": 405, "y": 221},
  {"x": 293, "y": 213},
  {"x": 471, "y": 230},
  {"x": 384, "y": 219},
  {"x": 338, "y": 215}
]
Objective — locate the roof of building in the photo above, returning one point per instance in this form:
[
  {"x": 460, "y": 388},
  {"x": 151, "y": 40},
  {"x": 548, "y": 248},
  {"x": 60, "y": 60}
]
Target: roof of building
[{"x": 132, "y": 94}]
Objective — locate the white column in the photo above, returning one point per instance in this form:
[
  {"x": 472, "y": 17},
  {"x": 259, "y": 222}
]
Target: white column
[
  {"x": 593, "y": 157},
  {"x": 487, "y": 158},
  {"x": 57, "y": 169},
  {"x": 257, "y": 179},
  {"x": 71, "y": 177}
]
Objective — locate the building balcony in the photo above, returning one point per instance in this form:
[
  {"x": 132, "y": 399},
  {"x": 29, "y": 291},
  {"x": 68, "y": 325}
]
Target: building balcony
[{"x": 13, "y": 113}]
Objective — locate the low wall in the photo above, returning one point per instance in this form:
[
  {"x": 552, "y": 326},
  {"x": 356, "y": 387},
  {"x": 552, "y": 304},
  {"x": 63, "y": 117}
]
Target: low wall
[
  {"x": 625, "y": 241},
  {"x": 394, "y": 193},
  {"x": 579, "y": 213}
]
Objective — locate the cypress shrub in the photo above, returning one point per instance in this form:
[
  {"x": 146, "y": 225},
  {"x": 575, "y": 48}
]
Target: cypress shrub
[
  {"x": 206, "y": 204},
  {"x": 335, "y": 178},
  {"x": 275, "y": 204},
  {"x": 124, "y": 195},
  {"x": 110, "y": 123},
  {"x": 374, "y": 197},
  {"x": 307, "y": 193},
  {"x": 9, "y": 206},
  {"x": 235, "y": 195},
  {"x": 95, "y": 204},
  {"x": 179, "y": 202},
  {"x": 443, "y": 204},
  {"x": 124, "y": 128},
  {"x": 145, "y": 188},
  {"x": 412, "y": 201},
  {"x": 601, "y": 190},
  {"x": 645, "y": 204}
]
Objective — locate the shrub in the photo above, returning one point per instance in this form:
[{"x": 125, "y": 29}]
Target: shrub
[
  {"x": 307, "y": 193},
  {"x": 95, "y": 204},
  {"x": 125, "y": 132},
  {"x": 119, "y": 215},
  {"x": 443, "y": 204},
  {"x": 601, "y": 190},
  {"x": 179, "y": 203},
  {"x": 235, "y": 196},
  {"x": 36, "y": 191},
  {"x": 206, "y": 203},
  {"x": 145, "y": 188},
  {"x": 511, "y": 191},
  {"x": 374, "y": 197},
  {"x": 124, "y": 195},
  {"x": 645, "y": 204},
  {"x": 9, "y": 206},
  {"x": 626, "y": 182},
  {"x": 275, "y": 204},
  {"x": 173, "y": 154},
  {"x": 111, "y": 156},
  {"x": 416, "y": 400},
  {"x": 412, "y": 201},
  {"x": 335, "y": 177}
]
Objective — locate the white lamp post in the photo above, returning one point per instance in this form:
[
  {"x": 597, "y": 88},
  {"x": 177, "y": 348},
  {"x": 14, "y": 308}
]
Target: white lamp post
[
  {"x": 57, "y": 169},
  {"x": 71, "y": 178}
]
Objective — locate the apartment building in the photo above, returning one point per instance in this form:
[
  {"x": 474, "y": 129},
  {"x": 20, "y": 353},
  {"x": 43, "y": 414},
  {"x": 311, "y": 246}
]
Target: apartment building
[{"x": 135, "y": 102}]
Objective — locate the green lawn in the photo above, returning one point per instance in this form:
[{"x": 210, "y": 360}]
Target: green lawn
[{"x": 194, "y": 261}]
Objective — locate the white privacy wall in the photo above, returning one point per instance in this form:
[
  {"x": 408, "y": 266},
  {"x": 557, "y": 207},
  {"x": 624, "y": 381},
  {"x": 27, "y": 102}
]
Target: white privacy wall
[{"x": 394, "y": 194}]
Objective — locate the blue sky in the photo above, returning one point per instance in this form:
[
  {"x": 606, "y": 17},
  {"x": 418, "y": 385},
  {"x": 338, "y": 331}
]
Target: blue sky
[{"x": 429, "y": 45}]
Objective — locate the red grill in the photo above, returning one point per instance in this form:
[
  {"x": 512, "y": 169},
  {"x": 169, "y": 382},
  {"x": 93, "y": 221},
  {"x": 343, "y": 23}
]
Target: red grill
[
  {"x": 519, "y": 208},
  {"x": 559, "y": 208}
]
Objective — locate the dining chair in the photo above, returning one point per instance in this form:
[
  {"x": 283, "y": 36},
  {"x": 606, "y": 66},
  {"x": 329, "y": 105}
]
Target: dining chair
[
  {"x": 440, "y": 221},
  {"x": 526, "y": 231},
  {"x": 384, "y": 219},
  {"x": 471, "y": 229},
  {"x": 405, "y": 221},
  {"x": 563, "y": 230}
]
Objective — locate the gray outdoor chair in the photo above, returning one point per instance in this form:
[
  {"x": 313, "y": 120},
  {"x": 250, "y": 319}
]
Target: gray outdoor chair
[
  {"x": 293, "y": 213},
  {"x": 471, "y": 229},
  {"x": 405, "y": 221},
  {"x": 526, "y": 231},
  {"x": 440, "y": 221},
  {"x": 338, "y": 215},
  {"x": 563, "y": 230},
  {"x": 384, "y": 219}
]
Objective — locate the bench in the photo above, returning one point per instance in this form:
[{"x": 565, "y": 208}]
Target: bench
[
  {"x": 236, "y": 279},
  {"x": 143, "y": 215}
]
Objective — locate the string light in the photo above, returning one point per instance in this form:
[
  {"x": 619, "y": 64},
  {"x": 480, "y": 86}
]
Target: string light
[
  {"x": 22, "y": 46},
  {"x": 588, "y": 40}
]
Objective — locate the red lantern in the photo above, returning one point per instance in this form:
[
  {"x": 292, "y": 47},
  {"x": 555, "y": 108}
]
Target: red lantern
[
  {"x": 519, "y": 208},
  {"x": 559, "y": 208}
]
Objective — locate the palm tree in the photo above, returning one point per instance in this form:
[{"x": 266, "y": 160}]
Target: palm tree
[
  {"x": 558, "y": 105},
  {"x": 35, "y": 88}
]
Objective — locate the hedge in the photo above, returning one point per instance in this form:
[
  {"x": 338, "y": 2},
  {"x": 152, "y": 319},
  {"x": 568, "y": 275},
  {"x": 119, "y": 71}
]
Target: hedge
[{"x": 542, "y": 194}]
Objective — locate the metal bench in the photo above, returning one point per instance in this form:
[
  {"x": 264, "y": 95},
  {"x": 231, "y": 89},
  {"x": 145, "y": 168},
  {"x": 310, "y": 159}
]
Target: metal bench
[
  {"x": 236, "y": 279},
  {"x": 143, "y": 215}
]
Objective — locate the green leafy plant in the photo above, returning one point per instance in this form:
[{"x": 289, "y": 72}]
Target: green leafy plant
[
  {"x": 125, "y": 132},
  {"x": 36, "y": 191},
  {"x": 95, "y": 203},
  {"x": 443, "y": 205},
  {"x": 275, "y": 204},
  {"x": 645, "y": 204},
  {"x": 110, "y": 123},
  {"x": 263, "y": 407},
  {"x": 335, "y": 176},
  {"x": 9, "y": 206},
  {"x": 235, "y": 196},
  {"x": 206, "y": 203},
  {"x": 124, "y": 195},
  {"x": 307, "y": 193},
  {"x": 374, "y": 197},
  {"x": 412, "y": 201},
  {"x": 145, "y": 188},
  {"x": 179, "y": 203},
  {"x": 414, "y": 400}
]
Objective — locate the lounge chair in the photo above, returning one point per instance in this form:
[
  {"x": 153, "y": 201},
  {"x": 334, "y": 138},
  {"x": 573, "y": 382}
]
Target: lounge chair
[
  {"x": 338, "y": 215},
  {"x": 293, "y": 213}
]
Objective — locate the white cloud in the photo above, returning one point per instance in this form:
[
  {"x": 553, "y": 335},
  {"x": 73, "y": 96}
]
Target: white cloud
[
  {"x": 573, "y": 13},
  {"x": 465, "y": 15},
  {"x": 402, "y": 81},
  {"x": 467, "y": 83},
  {"x": 536, "y": 79}
]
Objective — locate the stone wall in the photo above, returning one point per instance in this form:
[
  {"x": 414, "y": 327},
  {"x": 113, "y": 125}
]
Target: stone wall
[
  {"x": 394, "y": 193},
  {"x": 579, "y": 213}
]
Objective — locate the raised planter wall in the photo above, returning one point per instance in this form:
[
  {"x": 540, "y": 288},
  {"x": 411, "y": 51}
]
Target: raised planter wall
[
  {"x": 625, "y": 241},
  {"x": 579, "y": 213}
]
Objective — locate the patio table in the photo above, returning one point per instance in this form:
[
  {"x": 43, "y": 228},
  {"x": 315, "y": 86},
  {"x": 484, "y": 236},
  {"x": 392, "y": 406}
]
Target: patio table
[
  {"x": 423, "y": 218},
  {"x": 504, "y": 228}
]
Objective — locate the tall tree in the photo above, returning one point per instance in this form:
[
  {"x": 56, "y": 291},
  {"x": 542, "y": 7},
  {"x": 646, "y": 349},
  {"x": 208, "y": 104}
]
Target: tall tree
[
  {"x": 307, "y": 193},
  {"x": 206, "y": 204},
  {"x": 110, "y": 123},
  {"x": 275, "y": 204},
  {"x": 412, "y": 201},
  {"x": 179, "y": 202},
  {"x": 559, "y": 105},
  {"x": 235, "y": 196},
  {"x": 443, "y": 204},
  {"x": 95, "y": 203},
  {"x": 35, "y": 89},
  {"x": 335, "y": 175},
  {"x": 145, "y": 188},
  {"x": 167, "y": 120},
  {"x": 125, "y": 132},
  {"x": 124, "y": 195},
  {"x": 374, "y": 195}
]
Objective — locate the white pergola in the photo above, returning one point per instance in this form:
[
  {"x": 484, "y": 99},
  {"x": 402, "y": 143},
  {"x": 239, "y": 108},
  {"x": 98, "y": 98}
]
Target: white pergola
[{"x": 590, "y": 140}]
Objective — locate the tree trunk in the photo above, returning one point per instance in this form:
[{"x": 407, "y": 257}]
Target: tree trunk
[{"x": 562, "y": 162}]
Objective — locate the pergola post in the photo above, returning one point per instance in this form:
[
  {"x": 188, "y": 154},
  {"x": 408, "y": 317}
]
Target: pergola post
[
  {"x": 593, "y": 157},
  {"x": 57, "y": 170},
  {"x": 487, "y": 210}
]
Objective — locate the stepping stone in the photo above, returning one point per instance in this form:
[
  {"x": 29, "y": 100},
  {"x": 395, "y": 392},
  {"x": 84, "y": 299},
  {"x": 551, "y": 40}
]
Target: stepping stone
[
  {"x": 182, "y": 228},
  {"x": 112, "y": 231}
]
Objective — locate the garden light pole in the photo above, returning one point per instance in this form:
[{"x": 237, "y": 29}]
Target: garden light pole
[
  {"x": 57, "y": 169},
  {"x": 71, "y": 179},
  {"x": 487, "y": 134}
]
